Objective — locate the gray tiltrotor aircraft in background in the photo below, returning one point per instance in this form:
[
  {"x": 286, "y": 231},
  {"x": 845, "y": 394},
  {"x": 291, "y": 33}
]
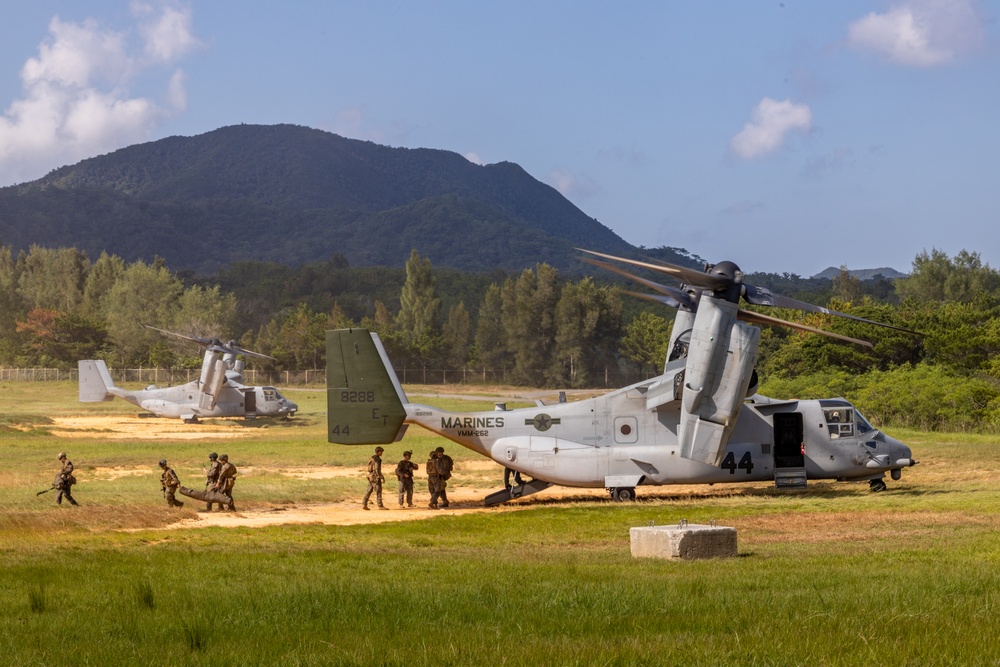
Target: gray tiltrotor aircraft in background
[
  {"x": 218, "y": 392},
  {"x": 701, "y": 421}
]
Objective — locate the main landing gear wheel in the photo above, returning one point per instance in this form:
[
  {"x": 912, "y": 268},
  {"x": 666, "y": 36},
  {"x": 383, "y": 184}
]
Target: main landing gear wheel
[
  {"x": 876, "y": 485},
  {"x": 623, "y": 494}
]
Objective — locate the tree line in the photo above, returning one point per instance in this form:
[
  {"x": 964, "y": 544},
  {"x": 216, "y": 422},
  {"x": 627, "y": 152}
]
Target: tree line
[{"x": 538, "y": 327}]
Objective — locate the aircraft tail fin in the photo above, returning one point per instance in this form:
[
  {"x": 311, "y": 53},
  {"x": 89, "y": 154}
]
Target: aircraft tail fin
[
  {"x": 95, "y": 381},
  {"x": 365, "y": 402}
]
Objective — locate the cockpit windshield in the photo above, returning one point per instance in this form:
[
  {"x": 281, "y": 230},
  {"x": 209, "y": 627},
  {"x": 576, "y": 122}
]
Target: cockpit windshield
[
  {"x": 271, "y": 394},
  {"x": 863, "y": 425}
]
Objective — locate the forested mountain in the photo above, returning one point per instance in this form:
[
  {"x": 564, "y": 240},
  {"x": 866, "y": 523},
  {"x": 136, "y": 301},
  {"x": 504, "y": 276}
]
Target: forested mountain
[{"x": 292, "y": 195}]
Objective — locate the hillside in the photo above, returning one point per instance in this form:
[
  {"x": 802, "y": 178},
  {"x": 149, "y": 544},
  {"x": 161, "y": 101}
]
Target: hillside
[
  {"x": 862, "y": 274},
  {"x": 292, "y": 195}
]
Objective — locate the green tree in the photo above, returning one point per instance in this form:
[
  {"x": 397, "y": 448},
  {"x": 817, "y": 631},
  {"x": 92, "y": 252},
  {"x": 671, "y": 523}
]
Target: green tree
[
  {"x": 60, "y": 339},
  {"x": 205, "y": 311},
  {"x": 491, "y": 340},
  {"x": 846, "y": 287},
  {"x": 420, "y": 310},
  {"x": 645, "y": 342},
  {"x": 588, "y": 322},
  {"x": 11, "y": 307},
  {"x": 53, "y": 278},
  {"x": 529, "y": 320},
  {"x": 456, "y": 334},
  {"x": 937, "y": 278},
  {"x": 301, "y": 339},
  {"x": 101, "y": 277},
  {"x": 145, "y": 294}
]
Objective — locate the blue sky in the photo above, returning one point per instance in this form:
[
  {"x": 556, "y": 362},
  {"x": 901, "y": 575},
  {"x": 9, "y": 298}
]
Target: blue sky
[{"x": 785, "y": 136}]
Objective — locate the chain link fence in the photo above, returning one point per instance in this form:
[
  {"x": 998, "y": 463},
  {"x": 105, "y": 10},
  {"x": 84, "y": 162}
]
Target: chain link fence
[{"x": 166, "y": 377}]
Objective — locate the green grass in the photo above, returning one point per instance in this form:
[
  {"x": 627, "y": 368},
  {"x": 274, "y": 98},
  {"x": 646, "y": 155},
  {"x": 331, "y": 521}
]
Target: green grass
[{"x": 829, "y": 575}]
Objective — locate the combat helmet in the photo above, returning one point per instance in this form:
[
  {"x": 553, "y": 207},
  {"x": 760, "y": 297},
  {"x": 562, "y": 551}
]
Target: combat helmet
[
  {"x": 213, "y": 456},
  {"x": 163, "y": 463}
]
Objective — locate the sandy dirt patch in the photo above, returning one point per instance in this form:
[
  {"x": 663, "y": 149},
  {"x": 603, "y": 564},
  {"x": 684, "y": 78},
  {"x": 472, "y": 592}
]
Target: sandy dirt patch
[
  {"x": 148, "y": 428},
  {"x": 350, "y": 513}
]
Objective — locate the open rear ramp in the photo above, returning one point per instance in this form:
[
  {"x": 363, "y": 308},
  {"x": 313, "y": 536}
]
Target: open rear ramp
[{"x": 364, "y": 397}]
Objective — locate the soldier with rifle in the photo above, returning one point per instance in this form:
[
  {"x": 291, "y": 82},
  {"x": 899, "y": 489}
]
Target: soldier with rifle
[
  {"x": 404, "y": 473},
  {"x": 226, "y": 480},
  {"x": 211, "y": 477},
  {"x": 433, "y": 479},
  {"x": 375, "y": 480},
  {"x": 63, "y": 481},
  {"x": 169, "y": 483},
  {"x": 444, "y": 465}
]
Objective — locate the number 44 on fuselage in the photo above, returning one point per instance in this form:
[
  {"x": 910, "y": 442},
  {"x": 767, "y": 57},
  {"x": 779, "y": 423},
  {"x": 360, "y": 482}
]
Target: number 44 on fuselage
[{"x": 619, "y": 441}]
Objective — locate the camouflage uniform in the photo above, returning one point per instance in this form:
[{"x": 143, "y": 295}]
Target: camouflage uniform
[
  {"x": 375, "y": 479},
  {"x": 404, "y": 473},
  {"x": 64, "y": 480},
  {"x": 433, "y": 480},
  {"x": 445, "y": 465},
  {"x": 211, "y": 477},
  {"x": 227, "y": 478},
  {"x": 169, "y": 483}
]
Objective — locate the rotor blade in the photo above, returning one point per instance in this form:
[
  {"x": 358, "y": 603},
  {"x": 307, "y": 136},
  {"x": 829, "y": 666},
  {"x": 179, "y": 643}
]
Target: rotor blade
[
  {"x": 247, "y": 353},
  {"x": 666, "y": 300},
  {"x": 761, "y": 296},
  {"x": 213, "y": 344},
  {"x": 757, "y": 318},
  {"x": 684, "y": 274},
  {"x": 679, "y": 296},
  {"x": 204, "y": 342}
]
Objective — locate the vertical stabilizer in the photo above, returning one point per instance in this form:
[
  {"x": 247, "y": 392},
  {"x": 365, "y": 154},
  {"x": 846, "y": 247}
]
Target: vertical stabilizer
[
  {"x": 95, "y": 380},
  {"x": 364, "y": 397}
]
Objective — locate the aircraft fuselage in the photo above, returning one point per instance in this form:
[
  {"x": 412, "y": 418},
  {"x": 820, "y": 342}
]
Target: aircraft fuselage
[{"x": 618, "y": 440}]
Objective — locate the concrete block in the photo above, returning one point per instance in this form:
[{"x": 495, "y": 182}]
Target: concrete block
[{"x": 686, "y": 541}]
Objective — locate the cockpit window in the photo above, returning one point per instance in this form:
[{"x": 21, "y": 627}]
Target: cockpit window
[
  {"x": 840, "y": 422},
  {"x": 270, "y": 393},
  {"x": 863, "y": 425}
]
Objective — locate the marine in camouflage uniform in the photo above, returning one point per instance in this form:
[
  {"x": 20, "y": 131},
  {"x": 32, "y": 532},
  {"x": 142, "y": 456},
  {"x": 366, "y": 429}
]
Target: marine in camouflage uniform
[
  {"x": 211, "y": 477},
  {"x": 404, "y": 473},
  {"x": 433, "y": 479},
  {"x": 375, "y": 480},
  {"x": 445, "y": 465},
  {"x": 169, "y": 483},
  {"x": 64, "y": 480},
  {"x": 227, "y": 478}
]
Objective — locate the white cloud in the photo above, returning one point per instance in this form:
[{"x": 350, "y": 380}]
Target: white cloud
[
  {"x": 920, "y": 33},
  {"x": 76, "y": 100},
  {"x": 167, "y": 32},
  {"x": 569, "y": 184},
  {"x": 474, "y": 158},
  {"x": 769, "y": 126}
]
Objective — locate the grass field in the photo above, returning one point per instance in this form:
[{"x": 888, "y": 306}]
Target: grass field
[{"x": 829, "y": 575}]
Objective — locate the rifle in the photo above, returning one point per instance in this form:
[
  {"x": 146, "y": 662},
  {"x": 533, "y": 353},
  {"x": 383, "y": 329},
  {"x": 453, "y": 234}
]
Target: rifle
[{"x": 57, "y": 484}]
